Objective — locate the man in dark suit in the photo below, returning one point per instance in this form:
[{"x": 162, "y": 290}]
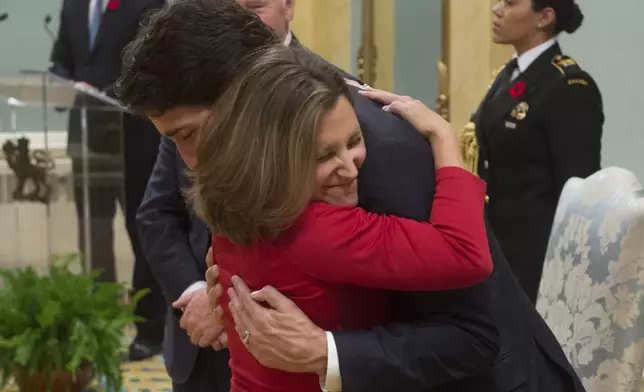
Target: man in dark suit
[
  {"x": 88, "y": 50},
  {"x": 174, "y": 240},
  {"x": 484, "y": 338}
]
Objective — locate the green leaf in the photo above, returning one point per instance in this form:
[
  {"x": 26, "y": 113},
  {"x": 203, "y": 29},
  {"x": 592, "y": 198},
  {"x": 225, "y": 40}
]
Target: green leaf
[
  {"x": 62, "y": 320},
  {"x": 24, "y": 351},
  {"x": 48, "y": 314}
]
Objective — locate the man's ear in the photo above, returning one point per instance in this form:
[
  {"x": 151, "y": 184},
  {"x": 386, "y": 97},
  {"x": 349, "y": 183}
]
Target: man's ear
[{"x": 289, "y": 9}]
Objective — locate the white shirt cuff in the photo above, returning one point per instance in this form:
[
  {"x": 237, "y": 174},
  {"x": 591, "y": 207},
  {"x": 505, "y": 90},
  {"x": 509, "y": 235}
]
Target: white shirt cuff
[
  {"x": 194, "y": 287},
  {"x": 333, "y": 380}
]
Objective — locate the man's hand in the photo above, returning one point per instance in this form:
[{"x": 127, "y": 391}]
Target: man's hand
[
  {"x": 277, "y": 332},
  {"x": 213, "y": 288},
  {"x": 85, "y": 86},
  {"x": 214, "y": 291},
  {"x": 209, "y": 257},
  {"x": 198, "y": 319},
  {"x": 221, "y": 343}
]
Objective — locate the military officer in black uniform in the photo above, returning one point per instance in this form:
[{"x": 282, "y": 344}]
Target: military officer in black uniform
[{"x": 539, "y": 125}]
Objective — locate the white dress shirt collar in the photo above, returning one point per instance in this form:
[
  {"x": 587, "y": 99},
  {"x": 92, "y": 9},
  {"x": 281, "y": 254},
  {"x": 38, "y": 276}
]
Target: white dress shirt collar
[
  {"x": 529, "y": 56},
  {"x": 288, "y": 39}
]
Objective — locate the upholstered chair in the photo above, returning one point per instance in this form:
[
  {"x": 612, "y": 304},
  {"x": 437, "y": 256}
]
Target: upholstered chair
[{"x": 592, "y": 290}]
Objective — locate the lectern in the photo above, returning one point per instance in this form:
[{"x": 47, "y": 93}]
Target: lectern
[{"x": 46, "y": 90}]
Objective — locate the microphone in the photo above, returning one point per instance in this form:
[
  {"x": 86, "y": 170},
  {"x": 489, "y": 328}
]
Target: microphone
[
  {"x": 3, "y": 16},
  {"x": 46, "y": 22}
]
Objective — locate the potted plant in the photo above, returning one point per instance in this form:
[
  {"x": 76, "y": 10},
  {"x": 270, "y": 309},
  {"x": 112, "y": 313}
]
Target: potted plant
[{"x": 59, "y": 330}]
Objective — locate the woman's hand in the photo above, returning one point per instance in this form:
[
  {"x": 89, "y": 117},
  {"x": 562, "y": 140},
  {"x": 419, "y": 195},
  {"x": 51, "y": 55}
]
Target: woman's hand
[
  {"x": 426, "y": 121},
  {"x": 444, "y": 140}
]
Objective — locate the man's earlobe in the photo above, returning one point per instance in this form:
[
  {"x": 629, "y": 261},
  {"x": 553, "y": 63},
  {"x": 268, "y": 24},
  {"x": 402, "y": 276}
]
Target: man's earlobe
[{"x": 289, "y": 5}]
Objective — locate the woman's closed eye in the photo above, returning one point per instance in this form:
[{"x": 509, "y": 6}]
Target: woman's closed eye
[
  {"x": 325, "y": 157},
  {"x": 353, "y": 143},
  {"x": 187, "y": 135}
]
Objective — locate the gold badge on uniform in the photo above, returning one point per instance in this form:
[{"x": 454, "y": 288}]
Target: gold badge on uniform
[
  {"x": 577, "y": 81},
  {"x": 520, "y": 111},
  {"x": 563, "y": 61}
]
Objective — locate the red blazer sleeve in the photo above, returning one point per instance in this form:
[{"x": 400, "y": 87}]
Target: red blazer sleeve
[{"x": 351, "y": 246}]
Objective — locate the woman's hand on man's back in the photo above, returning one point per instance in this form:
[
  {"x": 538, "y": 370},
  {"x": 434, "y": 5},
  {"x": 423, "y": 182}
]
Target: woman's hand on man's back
[
  {"x": 445, "y": 141},
  {"x": 425, "y": 120}
]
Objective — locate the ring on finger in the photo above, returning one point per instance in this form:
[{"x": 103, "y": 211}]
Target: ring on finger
[{"x": 245, "y": 337}]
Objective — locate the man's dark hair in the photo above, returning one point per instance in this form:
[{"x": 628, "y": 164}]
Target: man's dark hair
[{"x": 188, "y": 54}]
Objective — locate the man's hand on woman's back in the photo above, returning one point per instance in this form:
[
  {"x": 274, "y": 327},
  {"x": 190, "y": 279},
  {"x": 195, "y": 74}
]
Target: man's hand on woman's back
[
  {"x": 214, "y": 291},
  {"x": 279, "y": 334}
]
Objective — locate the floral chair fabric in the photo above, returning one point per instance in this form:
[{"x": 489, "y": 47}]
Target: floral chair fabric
[{"x": 593, "y": 280}]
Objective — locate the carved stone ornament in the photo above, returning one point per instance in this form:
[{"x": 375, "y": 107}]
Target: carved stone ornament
[{"x": 29, "y": 165}]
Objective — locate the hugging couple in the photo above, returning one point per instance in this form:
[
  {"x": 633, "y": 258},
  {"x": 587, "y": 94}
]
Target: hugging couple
[{"x": 347, "y": 209}]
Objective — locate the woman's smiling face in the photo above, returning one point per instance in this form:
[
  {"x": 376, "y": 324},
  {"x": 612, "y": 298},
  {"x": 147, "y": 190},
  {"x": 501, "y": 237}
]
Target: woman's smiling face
[{"x": 340, "y": 154}]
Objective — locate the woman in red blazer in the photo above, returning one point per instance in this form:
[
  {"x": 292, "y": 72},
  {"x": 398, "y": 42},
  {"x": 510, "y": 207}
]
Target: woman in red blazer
[{"x": 276, "y": 181}]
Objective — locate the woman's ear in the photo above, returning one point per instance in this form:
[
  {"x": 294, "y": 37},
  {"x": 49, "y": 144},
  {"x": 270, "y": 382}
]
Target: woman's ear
[{"x": 547, "y": 19}]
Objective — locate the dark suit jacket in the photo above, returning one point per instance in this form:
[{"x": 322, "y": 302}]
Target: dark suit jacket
[
  {"x": 486, "y": 338},
  {"x": 476, "y": 335},
  {"x": 175, "y": 241},
  {"x": 531, "y": 143},
  {"x": 72, "y": 59}
]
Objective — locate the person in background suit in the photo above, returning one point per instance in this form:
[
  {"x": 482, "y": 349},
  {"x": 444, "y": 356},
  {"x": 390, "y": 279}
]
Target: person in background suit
[
  {"x": 173, "y": 238},
  {"x": 488, "y": 337},
  {"x": 539, "y": 125},
  {"x": 88, "y": 49}
]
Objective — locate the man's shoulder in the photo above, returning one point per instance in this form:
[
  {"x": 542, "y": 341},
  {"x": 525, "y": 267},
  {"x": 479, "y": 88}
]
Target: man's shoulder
[
  {"x": 168, "y": 145},
  {"x": 380, "y": 126},
  {"x": 70, "y": 4},
  {"x": 298, "y": 47},
  {"x": 170, "y": 157}
]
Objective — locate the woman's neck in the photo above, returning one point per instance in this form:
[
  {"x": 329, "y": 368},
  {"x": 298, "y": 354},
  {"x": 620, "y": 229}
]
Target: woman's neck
[{"x": 522, "y": 47}]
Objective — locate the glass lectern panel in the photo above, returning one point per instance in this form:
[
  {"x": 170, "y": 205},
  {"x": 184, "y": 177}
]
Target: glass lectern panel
[{"x": 60, "y": 189}]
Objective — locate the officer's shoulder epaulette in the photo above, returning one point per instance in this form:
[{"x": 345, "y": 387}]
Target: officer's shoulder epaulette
[
  {"x": 570, "y": 70},
  {"x": 566, "y": 65}
]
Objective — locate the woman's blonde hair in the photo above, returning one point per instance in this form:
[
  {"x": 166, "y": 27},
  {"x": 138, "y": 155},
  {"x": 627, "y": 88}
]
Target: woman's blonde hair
[{"x": 257, "y": 152}]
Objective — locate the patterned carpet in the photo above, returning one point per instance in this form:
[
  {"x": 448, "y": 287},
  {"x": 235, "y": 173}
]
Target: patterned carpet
[{"x": 145, "y": 376}]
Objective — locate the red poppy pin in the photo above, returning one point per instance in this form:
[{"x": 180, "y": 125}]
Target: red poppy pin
[
  {"x": 517, "y": 89},
  {"x": 113, "y": 5}
]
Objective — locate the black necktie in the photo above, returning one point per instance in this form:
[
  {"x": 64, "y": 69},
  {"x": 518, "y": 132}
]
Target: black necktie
[{"x": 506, "y": 75}]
